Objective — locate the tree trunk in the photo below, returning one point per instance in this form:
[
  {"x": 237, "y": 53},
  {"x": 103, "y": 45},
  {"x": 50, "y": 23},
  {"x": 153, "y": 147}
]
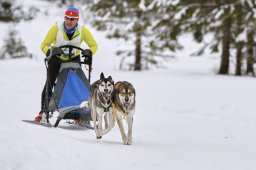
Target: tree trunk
[
  {"x": 239, "y": 45},
  {"x": 137, "y": 29},
  {"x": 138, "y": 52},
  {"x": 239, "y": 59},
  {"x": 224, "y": 66},
  {"x": 250, "y": 58}
]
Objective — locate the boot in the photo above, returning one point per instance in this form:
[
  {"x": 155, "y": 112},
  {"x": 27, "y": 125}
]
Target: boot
[{"x": 38, "y": 118}]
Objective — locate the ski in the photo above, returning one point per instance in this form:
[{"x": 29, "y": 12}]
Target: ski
[{"x": 38, "y": 123}]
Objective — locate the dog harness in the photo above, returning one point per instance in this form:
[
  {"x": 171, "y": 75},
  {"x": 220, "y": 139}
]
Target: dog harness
[
  {"x": 101, "y": 99},
  {"x": 114, "y": 110}
]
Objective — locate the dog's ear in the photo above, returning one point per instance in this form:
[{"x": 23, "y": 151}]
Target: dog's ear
[
  {"x": 102, "y": 75},
  {"x": 117, "y": 84},
  {"x": 110, "y": 78}
]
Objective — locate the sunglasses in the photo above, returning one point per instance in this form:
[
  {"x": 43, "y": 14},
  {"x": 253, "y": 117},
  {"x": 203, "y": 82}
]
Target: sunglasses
[{"x": 71, "y": 19}]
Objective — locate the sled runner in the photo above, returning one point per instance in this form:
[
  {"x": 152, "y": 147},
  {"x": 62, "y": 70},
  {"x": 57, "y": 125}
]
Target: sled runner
[
  {"x": 71, "y": 91},
  {"x": 38, "y": 123}
]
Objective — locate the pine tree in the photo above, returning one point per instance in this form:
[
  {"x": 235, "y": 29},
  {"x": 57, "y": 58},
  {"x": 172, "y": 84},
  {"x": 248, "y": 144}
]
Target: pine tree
[
  {"x": 130, "y": 21},
  {"x": 165, "y": 29},
  {"x": 227, "y": 20},
  {"x": 14, "y": 47},
  {"x": 6, "y": 13}
]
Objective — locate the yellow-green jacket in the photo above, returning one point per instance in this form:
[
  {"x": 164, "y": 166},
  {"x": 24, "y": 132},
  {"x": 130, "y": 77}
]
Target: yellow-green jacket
[{"x": 57, "y": 36}]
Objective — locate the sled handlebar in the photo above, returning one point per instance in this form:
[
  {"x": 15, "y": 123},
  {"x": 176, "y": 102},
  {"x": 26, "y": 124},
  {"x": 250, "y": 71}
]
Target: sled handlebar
[
  {"x": 57, "y": 52},
  {"x": 70, "y": 47}
]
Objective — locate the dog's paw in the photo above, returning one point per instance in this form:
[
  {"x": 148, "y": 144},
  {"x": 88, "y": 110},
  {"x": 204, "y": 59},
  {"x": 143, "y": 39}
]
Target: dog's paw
[
  {"x": 98, "y": 137},
  {"x": 125, "y": 140},
  {"x": 98, "y": 134},
  {"x": 129, "y": 141}
]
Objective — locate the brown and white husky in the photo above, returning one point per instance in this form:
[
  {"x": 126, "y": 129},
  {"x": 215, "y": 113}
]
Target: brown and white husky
[{"x": 124, "y": 108}]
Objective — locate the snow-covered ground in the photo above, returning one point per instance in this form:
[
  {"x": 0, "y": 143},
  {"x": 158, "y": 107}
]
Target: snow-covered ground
[{"x": 187, "y": 117}]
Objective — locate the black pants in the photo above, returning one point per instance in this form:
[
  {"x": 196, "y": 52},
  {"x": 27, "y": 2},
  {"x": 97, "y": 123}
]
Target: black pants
[{"x": 52, "y": 74}]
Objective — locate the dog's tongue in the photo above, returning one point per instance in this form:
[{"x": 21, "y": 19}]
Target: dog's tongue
[{"x": 106, "y": 94}]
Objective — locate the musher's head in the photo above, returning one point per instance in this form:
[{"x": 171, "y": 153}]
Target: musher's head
[{"x": 71, "y": 17}]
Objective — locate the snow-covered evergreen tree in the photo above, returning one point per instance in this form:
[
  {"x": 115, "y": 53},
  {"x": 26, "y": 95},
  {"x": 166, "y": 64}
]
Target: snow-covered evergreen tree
[
  {"x": 13, "y": 47},
  {"x": 131, "y": 21},
  {"x": 6, "y": 13},
  {"x": 232, "y": 24}
]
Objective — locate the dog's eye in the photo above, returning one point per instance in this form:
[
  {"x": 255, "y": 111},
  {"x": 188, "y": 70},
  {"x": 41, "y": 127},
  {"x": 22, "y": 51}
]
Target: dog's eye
[
  {"x": 102, "y": 85},
  {"x": 122, "y": 94},
  {"x": 130, "y": 94},
  {"x": 109, "y": 84}
]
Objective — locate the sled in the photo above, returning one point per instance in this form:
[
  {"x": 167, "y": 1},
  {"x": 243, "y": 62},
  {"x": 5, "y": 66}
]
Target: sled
[{"x": 70, "y": 94}]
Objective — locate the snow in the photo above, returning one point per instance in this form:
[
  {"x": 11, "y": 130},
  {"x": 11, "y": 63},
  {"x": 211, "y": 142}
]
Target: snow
[{"x": 187, "y": 117}]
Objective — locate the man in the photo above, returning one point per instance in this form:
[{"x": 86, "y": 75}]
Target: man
[{"x": 67, "y": 33}]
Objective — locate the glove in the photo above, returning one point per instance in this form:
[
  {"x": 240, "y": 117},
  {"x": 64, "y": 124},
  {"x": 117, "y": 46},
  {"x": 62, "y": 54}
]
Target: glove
[
  {"x": 53, "y": 52},
  {"x": 87, "y": 54}
]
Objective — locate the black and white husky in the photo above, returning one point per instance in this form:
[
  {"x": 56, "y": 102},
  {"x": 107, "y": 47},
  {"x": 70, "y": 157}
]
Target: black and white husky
[
  {"x": 100, "y": 102},
  {"x": 124, "y": 108}
]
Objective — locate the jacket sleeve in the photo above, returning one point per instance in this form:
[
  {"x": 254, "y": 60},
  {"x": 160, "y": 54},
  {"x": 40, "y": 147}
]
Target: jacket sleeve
[
  {"x": 50, "y": 38},
  {"x": 88, "y": 38}
]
